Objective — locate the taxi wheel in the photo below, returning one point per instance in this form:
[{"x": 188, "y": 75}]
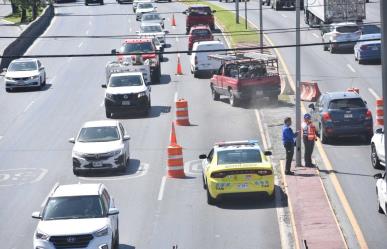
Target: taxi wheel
[
  {"x": 210, "y": 200},
  {"x": 380, "y": 209},
  {"x": 204, "y": 183}
]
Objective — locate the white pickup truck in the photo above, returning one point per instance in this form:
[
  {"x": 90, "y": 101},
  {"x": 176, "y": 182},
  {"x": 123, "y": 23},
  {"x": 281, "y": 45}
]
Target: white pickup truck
[{"x": 378, "y": 158}]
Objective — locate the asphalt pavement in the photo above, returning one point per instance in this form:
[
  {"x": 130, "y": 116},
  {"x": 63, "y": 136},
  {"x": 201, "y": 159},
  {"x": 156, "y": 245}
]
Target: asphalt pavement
[{"x": 35, "y": 154}]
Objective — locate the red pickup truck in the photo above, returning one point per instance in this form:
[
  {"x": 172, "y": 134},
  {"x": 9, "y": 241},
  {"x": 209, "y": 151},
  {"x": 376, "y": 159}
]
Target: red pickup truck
[
  {"x": 199, "y": 14},
  {"x": 199, "y": 33},
  {"x": 242, "y": 77}
]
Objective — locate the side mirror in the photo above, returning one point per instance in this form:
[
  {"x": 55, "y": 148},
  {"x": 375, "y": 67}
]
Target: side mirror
[
  {"x": 72, "y": 140},
  {"x": 126, "y": 138},
  {"x": 268, "y": 153},
  {"x": 184, "y": 12},
  {"x": 202, "y": 156},
  {"x": 378, "y": 176},
  {"x": 163, "y": 18},
  {"x": 114, "y": 51},
  {"x": 113, "y": 211},
  {"x": 36, "y": 215},
  {"x": 379, "y": 131},
  {"x": 41, "y": 68},
  {"x": 104, "y": 86},
  {"x": 213, "y": 11},
  {"x": 311, "y": 106}
]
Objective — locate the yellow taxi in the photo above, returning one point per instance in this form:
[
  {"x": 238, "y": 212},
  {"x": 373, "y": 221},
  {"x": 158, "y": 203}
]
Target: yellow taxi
[{"x": 237, "y": 167}]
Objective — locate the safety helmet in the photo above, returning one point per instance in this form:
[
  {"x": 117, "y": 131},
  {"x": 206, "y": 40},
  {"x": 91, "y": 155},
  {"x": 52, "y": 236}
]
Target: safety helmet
[{"x": 307, "y": 116}]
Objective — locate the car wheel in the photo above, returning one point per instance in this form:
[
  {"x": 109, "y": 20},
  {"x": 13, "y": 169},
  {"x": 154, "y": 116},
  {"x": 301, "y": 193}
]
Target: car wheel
[
  {"x": 332, "y": 49},
  {"x": 323, "y": 138},
  {"x": 325, "y": 48},
  {"x": 215, "y": 95},
  {"x": 75, "y": 172},
  {"x": 86, "y": 4},
  {"x": 374, "y": 158},
  {"x": 232, "y": 99},
  {"x": 108, "y": 113},
  {"x": 8, "y": 90},
  {"x": 101, "y": 3},
  {"x": 210, "y": 199},
  {"x": 360, "y": 61},
  {"x": 380, "y": 209},
  {"x": 41, "y": 85},
  {"x": 204, "y": 182},
  {"x": 196, "y": 74},
  {"x": 272, "y": 196}
]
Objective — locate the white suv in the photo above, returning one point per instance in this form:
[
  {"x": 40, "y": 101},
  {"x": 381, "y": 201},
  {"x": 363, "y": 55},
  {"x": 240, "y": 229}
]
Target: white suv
[
  {"x": 77, "y": 216},
  {"x": 100, "y": 145},
  {"x": 378, "y": 158},
  {"x": 346, "y": 35}
]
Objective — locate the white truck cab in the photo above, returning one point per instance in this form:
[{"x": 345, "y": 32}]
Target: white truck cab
[{"x": 378, "y": 158}]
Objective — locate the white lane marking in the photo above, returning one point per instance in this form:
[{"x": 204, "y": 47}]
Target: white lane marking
[
  {"x": 17, "y": 177},
  {"x": 87, "y": 32},
  {"x": 80, "y": 44},
  {"x": 177, "y": 39},
  {"x": 374, "y": 93},
  {"x": 260, "y": 127},
  {"x": 315, "y": 35},
  {"x": 28, "y": 106},
  {"x": 162, "y": 187},
  {"x": 283, "y": 15},
  {"x": 351, "y": 68},
  {"x": 175, "y": 96}
]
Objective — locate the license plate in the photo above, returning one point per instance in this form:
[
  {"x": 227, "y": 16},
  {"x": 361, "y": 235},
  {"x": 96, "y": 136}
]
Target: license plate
[
  {"x": 97, "y": 164},
  {"x": 348, "y": 115},
  {"x": 126, "y": 102},
  {"x": 243, "y": 186},
  {"x": 259, "y": 93}
]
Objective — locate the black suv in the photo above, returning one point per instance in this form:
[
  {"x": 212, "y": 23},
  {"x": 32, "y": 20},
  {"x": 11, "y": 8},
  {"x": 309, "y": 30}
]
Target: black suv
[{"x": 342, "y": 114}]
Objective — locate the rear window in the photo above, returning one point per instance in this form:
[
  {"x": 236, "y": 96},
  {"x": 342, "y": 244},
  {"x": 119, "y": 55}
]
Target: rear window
[
  {"x": 347, "y": 29},
  {"x": 239, "y": 156},
  {"x": 201, "y": 32},
  {"x": 200, "y": 11},
  {"x": 346, "y": 103}
]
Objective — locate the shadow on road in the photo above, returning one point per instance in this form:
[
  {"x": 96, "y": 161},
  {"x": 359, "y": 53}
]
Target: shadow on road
[
  {"x": 327, "y": 172},
  {"x": 154, "y": 112},
  {"x": 131, "y": 169},
  {"x": 349, "y": 141},
  {"x": 123, "y": 246},
  {"x": 30, "y": 89}
]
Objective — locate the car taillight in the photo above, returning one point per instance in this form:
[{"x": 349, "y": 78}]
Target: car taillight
[
  {"x": 368, "y": 115},
  {"x": 218, "y": 175},
  {"x": 264, "y": 172},
  {"x": 326, "y": 117},
  {"x": 363, "y": 47},
  {"x": 196, "y": 60}
]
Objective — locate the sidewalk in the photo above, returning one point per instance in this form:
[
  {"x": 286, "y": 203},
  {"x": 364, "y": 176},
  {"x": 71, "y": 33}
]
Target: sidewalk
[{"x": 315, "y": 222}]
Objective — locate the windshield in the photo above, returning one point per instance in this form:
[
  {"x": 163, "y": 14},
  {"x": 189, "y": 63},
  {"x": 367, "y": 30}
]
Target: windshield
[
  {"x": 201, "y": 32},
  {"x": 23, "y": 66},
  {"x": 98, "y": 134},
  {"x": 137, "y": 47},
  {"x": 74, "y": 207},
  {"x": 127, "y": 80},
  {"x": 151, "y": 29},
  {"x": 151, "y": 17},
  {"x": 347, "y": 29},
  {"x": 200, "y": 11},
  {"x": 145, "y": 5},
  {"x": 239, "y": 156},
  {"x": 346, "y": 103}
]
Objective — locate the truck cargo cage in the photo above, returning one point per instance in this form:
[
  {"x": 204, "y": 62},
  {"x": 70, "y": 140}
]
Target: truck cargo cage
[
  {"x": 128, "y": 66},
  {"x": 267, "y": 59}
]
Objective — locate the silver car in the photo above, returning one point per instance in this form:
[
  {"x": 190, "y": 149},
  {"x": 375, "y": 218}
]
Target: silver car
[
  {"x": 341, "y": 36},
  {"x": 153, "y": 18},
  {"x": 153, "y": 30}
]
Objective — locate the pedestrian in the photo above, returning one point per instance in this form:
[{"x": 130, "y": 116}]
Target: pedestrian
[
  {"x": 288, "y": 139},
  {"x": 309, "y": 137}
]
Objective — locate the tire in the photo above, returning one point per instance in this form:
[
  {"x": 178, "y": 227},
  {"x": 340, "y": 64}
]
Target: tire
[
  {"x": 116, "y": 244},
  {"x": 156, "y": 75},
  {"x": 325, "y": 48},
  {"x": 210, "y": 201},
  {"x": 374, "y": 158},
  {"x": 324, "y": 139},
  {"x": 45, "y": 80},
  {"x": 86, "y": 4},
  {"x": 108, "y": 113},
  {"x": 204, "y": 183},
  {"x": 76, "y": 172},
  {"x": 195, "y": 74},
  {"x": 380, "y": 209},
  {"x": 331, "y": 49},
  {"x": 101, "y": 3},
  {"x": 41, "y": 84},
  {"x": 8, "y": 90},
  {"x": 278, "y": 6},
  {"x": 233, "y": 101},
  {"x": 215, "y": 95}
]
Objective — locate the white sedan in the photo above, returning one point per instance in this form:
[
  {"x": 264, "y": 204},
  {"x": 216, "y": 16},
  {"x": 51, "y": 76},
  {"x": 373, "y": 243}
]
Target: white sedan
[
  {"x": 143, "y": 8},
  {"x": 25, "y": 73},
  {"x": 100, "y": 145},
  {"x": 153, "y": 30}
]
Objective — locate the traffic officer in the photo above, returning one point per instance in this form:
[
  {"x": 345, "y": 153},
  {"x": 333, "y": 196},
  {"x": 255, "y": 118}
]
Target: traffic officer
[
  {"x": 309, "y": 136},
  {"x": 288, "y": 137}
]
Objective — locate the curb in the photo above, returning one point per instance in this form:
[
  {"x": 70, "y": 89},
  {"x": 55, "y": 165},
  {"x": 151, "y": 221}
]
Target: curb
[{"x": 36, "y": 28}]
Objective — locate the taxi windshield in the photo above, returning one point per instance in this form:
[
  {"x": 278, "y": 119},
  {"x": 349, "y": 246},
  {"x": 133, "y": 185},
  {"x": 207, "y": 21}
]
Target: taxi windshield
[{"x": 239, "y": 156}]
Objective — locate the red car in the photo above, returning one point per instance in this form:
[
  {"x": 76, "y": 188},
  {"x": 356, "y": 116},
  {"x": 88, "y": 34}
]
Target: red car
[
  {"x": 199, "y": 33},
  {"x": 199, "y": 14},
  {"x": 142, "y": 45}
]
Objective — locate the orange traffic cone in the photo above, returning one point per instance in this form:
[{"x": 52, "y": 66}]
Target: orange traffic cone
[
  {"x": 173, "y": 22},
  {"x": 175, "y": 157},
  {"x": 179, "y": 70}
]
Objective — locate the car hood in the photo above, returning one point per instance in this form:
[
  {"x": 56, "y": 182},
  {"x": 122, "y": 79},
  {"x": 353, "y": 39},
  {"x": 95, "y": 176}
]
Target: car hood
[
  {"x": 98, "y": 147},
  {"x": 71, "y": 226},
  {"x": 126, "y": 89},
  {"x": 21, "y": 74},
  {"x": 145, "y": 10}
]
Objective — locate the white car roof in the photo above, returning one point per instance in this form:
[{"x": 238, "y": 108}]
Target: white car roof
[
  {"x": 77, "y": 190},
  {"x": 100, "y": 123},
  {"x": 24, "y": 60},
  {"x": 207, "y": 43},
  {"x": 126, "y": 74}
]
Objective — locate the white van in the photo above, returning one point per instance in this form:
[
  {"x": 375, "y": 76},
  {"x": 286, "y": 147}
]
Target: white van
[{"x": 200, "y": 63}]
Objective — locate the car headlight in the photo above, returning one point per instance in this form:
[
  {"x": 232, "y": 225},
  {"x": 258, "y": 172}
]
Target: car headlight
[
  {"x": 115, "y": 152},
  {"x": 109, "y": 96},
  {"x": 141, "y": 94},
  {"x": 8, "y": 78},
  {"x": 41, "y": 236},
  {"x": 102, "y": 232},
  {"x": 34, "y": 77}
]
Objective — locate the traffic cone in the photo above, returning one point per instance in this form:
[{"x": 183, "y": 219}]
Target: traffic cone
[
  {"x": 175, "y": 162},
  {"x": 179, "y": 70},
  {"x": 173, "y": 22}
]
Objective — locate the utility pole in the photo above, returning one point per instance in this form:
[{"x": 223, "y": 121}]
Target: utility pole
[
  {"x": 237, "y": 11},
  {"x": 383, "y": 17},
  {"x": 298, "y": 80},
  {"x": 260, "y": 26},
  {"x": 245, "y": 14}
]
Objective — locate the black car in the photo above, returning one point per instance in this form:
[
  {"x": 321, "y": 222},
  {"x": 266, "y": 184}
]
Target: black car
[
  {"x": 342, "y": 114},
  {"x": 100, "y": 2}
]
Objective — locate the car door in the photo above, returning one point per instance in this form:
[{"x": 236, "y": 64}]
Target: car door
[
  {"x": 206, "y": 162},
  {"x": 216, "y": 80},
  {"x": 109, "y": 202},
  {"x": 126, "y": 142},
  {"x": 382, "y": 191}
]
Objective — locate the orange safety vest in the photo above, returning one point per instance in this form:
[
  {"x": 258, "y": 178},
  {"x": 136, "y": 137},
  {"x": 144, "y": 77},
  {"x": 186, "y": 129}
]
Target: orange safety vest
[{"x": 311, "y": 132}]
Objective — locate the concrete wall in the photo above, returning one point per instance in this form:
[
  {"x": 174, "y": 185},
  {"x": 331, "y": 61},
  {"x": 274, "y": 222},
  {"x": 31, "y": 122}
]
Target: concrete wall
[{"x": 36, "y": 28}]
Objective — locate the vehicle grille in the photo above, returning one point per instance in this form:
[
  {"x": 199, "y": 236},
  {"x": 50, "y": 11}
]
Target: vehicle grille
[
  {"x": 121, "y": 97},
  {"x": 97, "y": 157},
  {"x": 20, "y": 78},
  {"x": 71, "y": 241}
]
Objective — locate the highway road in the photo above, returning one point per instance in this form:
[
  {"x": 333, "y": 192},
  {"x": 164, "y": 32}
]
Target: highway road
[
  {"x": 336, "y": 72},
  {"x": 35, "y": 154}
]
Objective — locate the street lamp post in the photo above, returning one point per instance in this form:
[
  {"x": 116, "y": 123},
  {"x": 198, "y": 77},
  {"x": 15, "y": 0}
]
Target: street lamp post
[{"x": 298, "y": 79}]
